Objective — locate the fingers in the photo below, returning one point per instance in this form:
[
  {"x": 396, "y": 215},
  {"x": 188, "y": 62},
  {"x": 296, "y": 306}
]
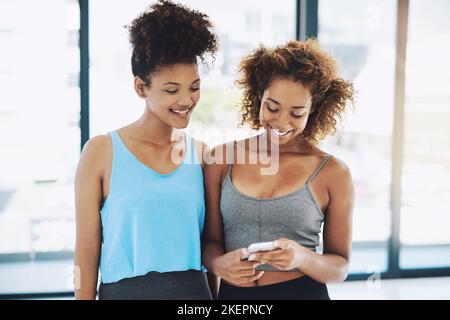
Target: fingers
[
  {"x": 281, "y": 243},
  {"x": 248, "y": 273},
  {"x": 245, "y": 271},
  {"x": 242, "y": 252},
  {"x": 249, "y": 265},
  {"x": 252, "y": 278},
  {"x": 257, "y": 276},
  {"x": 266, "y": 256}
]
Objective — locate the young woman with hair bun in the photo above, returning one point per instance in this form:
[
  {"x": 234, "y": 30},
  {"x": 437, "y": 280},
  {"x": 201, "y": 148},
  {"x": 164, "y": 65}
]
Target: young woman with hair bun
[{"x": 139, "y": 189}]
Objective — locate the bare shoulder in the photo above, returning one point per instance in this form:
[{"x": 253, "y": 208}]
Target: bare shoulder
[
  {"x": 96, "y": 153},
  {"x": 221, "y": 153},
  {"x": 97, "y": 146},
  {"x": 338, "y": 174},
  {"x": 98, "y": 142},
  {"x": 334, "y": 165},
  {"x": 218, "y": 158},
  {"x": 200, "y": 146},
  {"x": 337, "y": 165},
  {"x": 247, "y": 142}
]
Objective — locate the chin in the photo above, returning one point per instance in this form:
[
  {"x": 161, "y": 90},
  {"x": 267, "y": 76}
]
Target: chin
[
  {"x": 280, "y": 140},
  {"x": 176, "y": 124},
  {"x": 184, "y": 126},
  {"x": 180, "y": 121}
]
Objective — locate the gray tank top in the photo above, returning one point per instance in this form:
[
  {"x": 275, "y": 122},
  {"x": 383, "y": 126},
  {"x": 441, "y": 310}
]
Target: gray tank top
[{"x": 247, "y": 219}]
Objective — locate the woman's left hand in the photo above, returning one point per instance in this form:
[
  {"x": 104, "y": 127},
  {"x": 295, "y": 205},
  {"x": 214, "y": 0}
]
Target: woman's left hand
[{"x": 288, "y": 256}]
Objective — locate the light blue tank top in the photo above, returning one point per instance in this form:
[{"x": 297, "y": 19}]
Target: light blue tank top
[{"x": 151, "y": 221}]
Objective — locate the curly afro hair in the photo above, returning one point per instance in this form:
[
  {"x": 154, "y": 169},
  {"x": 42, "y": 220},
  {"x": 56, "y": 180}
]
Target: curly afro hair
[
  {"x": 302, "y": 62},
  {"x": 166, "y": 34}
]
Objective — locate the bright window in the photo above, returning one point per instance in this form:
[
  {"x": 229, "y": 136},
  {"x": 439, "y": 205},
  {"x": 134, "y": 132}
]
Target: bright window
[
  {"x": 361, "y": 35},
  {"x": 425, "y": 214}
]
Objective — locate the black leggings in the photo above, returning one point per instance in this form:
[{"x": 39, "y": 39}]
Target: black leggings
[
  {"x": 303, "y": 288},
  {"x": 179, "y": 285}
]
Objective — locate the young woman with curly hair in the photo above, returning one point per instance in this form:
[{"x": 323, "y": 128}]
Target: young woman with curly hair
[
  {"x": 139, "y": 189},
  {"x": 294, "y": 93}
]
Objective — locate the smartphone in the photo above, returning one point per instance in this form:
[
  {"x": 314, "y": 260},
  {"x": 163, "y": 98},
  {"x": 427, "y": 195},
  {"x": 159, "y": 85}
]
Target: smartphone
[{"x": 259, "y": 247}]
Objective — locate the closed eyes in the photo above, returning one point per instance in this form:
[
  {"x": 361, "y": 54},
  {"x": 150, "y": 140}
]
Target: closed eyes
[
  {"x": 175, "y": 91},
  {"x": 295, "y": 115}
]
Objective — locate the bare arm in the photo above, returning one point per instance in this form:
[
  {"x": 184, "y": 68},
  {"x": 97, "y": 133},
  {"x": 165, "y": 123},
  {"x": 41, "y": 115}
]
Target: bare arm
[
  {"x": 203, "y": 152},
  {"x": 88, "y": 200},
  {"x": 332, "y": 265},
  {"x": 212, "y": 238}
]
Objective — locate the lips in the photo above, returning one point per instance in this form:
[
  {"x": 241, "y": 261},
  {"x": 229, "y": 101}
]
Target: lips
[
  {"x": 280, "y": 133},
  {"x": 183, "y": 112}
]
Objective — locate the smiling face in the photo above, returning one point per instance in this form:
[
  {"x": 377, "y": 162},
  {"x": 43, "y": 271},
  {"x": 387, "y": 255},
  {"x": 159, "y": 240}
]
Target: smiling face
[
  {"x": 172, "y": 94},
  {"x": 285, "y": 107}
]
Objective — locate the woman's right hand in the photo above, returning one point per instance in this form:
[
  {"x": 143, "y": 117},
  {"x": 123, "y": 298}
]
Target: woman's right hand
[{"x": 235, "y": 271}]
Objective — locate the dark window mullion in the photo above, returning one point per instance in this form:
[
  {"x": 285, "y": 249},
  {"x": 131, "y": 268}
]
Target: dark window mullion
[
  {"x": 307, "y": 17},
  {"x": 84, "y": 70}
]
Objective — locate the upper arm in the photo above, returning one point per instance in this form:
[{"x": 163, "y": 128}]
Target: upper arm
[
  {"x": 214, "y": 171},
  {"x": 337, "y": 233},
  {"x": 88, "y": 189}
]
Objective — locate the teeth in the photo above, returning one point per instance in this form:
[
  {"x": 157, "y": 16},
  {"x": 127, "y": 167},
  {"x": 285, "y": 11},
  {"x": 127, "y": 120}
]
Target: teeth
[
  {"x": 181, "y": 111},
  {"x": 279, "y": 133}
]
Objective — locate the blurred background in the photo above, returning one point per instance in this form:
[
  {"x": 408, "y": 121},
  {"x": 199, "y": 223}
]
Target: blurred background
[{"x": 65, "y": 76}]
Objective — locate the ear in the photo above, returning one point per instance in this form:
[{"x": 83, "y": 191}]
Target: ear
[{"x": 139, "y": 86}]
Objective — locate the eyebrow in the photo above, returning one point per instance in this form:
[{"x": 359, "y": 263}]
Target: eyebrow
[
  {"x": 277, "y": 103},
  {"x": 178, "y": 84}
]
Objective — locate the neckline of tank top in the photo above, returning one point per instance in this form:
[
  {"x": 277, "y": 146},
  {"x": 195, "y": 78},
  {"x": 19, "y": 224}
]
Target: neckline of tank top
[
  {"x": 304, "y": 186},
  {"x": 147, "y": 167},
  {"x": 290, "y": 194},
  {"x": 264, "y": 199}
]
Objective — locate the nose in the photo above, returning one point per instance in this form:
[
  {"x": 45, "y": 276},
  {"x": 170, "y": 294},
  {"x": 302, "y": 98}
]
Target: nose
[
  {"x": 282, "y": 121},
  {"x": 187, "y": 100}
]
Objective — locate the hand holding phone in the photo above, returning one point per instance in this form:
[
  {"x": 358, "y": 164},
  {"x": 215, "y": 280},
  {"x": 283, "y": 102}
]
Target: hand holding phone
[{"x": 259, "y": 247}]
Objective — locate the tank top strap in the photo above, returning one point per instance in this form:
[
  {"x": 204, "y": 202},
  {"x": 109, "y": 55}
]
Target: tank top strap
[
  {"x": 230, "y": 155},
  {"x": 319, "y": 167},
  {"x": 120, "y": 150},
  {"x": 116, "y": 142},
  {"x": 192, "y": 156},
  {"x": 188, "y": 157}
]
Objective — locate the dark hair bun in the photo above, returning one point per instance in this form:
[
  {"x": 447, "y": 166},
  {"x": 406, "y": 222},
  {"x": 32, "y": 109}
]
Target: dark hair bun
[{"x": 169, "y": 33}]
